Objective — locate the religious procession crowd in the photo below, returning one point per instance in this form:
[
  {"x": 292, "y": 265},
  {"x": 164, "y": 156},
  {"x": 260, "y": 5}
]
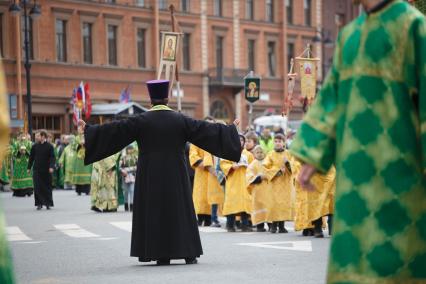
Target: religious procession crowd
[
  {"x": 110, "y": 181},
  {"x": 260, "y": 189}
]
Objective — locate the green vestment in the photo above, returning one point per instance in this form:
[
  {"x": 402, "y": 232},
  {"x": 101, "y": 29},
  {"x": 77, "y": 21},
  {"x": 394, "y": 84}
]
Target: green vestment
[
  {"x": 103, "y": 189},
  {"x": 81, "y": 174},
  {"x": 370, "y": 121},
  {"x": 20, "y": 177},
  {"x": 67, "y": 160},
  {"x": 6, "y": 267}
]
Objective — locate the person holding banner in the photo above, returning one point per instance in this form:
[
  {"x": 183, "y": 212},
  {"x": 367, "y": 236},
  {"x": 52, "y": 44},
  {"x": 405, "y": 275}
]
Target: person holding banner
[
  {"x": 164, "y": 221},
  {"x": 370, "y": 121}
]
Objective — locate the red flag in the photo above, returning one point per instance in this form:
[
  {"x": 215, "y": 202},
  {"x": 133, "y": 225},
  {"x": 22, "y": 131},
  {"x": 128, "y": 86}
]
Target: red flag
[{"x": 88, "y": 104}]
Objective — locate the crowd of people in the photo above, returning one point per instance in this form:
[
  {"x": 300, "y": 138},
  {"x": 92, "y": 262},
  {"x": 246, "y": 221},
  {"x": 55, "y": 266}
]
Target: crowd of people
[
  {"x": 110, "y": 181},
  {"x": 260, "y": 189}
]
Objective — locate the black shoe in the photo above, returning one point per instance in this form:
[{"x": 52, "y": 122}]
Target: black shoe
[
  {"x": 216, "y": 225},
  {"x": 47, "y": 207},
  {"x": 191, "y": 260},
  {"x": 96, "y": 209},
  {"x": 79, "y": 193},
  {"x": 39, "y": 207},
  {"x": 305, "y": 232},
  {"x": 126, "y": 206},
  {"x": 282, "y": 230},
  {"x": 273, "y": 230},
  {"x": 260, "y": 230},
  {"x": 131, "y": 207},
  {"x": 231, "y": 230},
  {"x": 319, "y": 235},
  {"x": 163, "y": 262},
  {"x": 246, "y": 229},
  {"x": 238, "y": 224}
]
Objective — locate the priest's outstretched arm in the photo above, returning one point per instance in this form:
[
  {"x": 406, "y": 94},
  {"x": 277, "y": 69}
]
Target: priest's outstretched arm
[
  {"x": 220, "y": 140},
  {"x": 102, "y": 141}
]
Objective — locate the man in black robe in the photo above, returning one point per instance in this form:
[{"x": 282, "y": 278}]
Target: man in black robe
[
  {"x": 42, "y": 160},
  {"x": 164, "y": 220}
]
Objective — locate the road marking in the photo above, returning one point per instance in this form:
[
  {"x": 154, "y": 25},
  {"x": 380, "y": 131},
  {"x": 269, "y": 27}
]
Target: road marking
[
  {"x": 35, "y": 242},
  {"x": 103, "y": 239},
  {"x": 15, "y": 234},
  {"x": 126, "y": 226},
  {"x": 211, "y": 230},
  {"x": 295, "y": 245},
  {"x": 75, "y": 231}
]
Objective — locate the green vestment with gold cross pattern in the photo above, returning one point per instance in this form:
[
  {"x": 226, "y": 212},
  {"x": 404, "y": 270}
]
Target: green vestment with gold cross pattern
[{"x": 370, "y": 121}]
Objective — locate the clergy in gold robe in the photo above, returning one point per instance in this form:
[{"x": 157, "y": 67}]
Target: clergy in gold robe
[
  {"x": 279, "y": 174},
  {"x": 312, "y": 205},
  {"x": 215, "y": 192},
  {"x": 258, "y": 187},
  {"x": 199, "y": 192},
  {"x": 237, "y": 198}
]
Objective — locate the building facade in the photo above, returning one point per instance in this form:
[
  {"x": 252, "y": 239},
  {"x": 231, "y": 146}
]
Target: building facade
[{"x": 114, "y": 44}]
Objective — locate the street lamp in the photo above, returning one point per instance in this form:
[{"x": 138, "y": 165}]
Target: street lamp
[
  {"x": 34, "y": 13},
  {"x": 323, "y": 38}
]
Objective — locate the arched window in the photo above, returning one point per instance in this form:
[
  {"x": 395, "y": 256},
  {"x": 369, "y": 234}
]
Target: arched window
[{"x": 219, "y": 110}]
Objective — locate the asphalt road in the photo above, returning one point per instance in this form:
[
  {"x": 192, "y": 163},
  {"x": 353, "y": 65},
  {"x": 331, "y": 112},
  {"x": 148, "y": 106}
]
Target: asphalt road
[{"x": 71, "y": 244}]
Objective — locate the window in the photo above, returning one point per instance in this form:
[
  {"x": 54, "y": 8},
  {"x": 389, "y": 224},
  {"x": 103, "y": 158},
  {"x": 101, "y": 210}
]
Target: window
[
  {"x": 186, "y": 50},
  {"x": 110, "y": 1},
  {"x": 141, "y": 47},
  {"x": 30, "y": 37},
  {"x": 1, "y": 35},
  {"x": 13, "y": 107},
  {"x": 307, "y": 7},
  {"x": 61, "y": 40},
  {"x": 112, "y": 45},
  {"x": 219, "y": 110},
  {"x": 272, "y": 60},
  {"x": 140, "y": 3},
  {"x": 184, "y": 5},
  {"x": 87, "y": 43},
  {"x": 251, "y": 54},
  {"x": 250, "y": 9},
  {"x": 219, "y": 52},
  {"x": 51, "y": 123},
  {"x": 162, "y": 5},
  {"x": 290, "y": 53},
  {"x": 218, "y": 8},
  {"x": 289, "y": 8},
  {"x": 270, "y": 10}
]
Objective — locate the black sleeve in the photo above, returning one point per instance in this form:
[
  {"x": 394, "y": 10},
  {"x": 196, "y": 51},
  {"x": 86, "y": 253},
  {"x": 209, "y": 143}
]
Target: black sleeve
[
  {"x": 52, "y": 158},
  {"x": 31, "y": 159},
  {"x": 102, "y": 141},
  {"x": 219, "y": 140}
]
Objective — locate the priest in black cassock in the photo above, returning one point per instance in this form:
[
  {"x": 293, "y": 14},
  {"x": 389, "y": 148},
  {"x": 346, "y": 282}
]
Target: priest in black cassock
[
  {"x": 164, "y": 220},
  {"x": 42, "y": 161}
]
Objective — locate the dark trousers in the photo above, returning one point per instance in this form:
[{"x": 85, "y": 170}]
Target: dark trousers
[
  {"x": 278, "y": 224},
  {"x": 230, "y": 220},
  {"x": 214, "y": 213},
  {"x": 204, "y": 218}
]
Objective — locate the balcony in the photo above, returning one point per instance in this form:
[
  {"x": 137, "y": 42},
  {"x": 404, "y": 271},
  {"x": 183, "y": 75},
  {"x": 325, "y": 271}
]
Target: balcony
[{"x": 227, "y": 77}]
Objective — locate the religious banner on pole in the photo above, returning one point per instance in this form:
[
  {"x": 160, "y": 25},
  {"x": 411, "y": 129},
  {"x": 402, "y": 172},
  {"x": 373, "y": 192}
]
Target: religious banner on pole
[
  {"x": 252, "y": 88},
  {"x": 288, "y": 100},
  {"x": 169, "y": 51},
  {"x": 308, "y": 77}
]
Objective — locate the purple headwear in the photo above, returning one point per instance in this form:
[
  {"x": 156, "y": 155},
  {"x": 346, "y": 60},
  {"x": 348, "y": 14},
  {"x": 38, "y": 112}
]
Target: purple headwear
[{"x": 158, "y": 89}]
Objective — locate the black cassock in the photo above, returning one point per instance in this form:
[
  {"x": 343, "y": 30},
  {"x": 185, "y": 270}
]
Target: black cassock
[
  {"x": 164, "y": 220},
  {"x": 43, "y": 158}
]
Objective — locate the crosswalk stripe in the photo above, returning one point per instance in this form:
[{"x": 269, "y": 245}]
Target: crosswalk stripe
[
  {"x": 15, "y": 234},
  {"x": 211, "y": 230},
  {"x": 75, "y": 231},
  {"x": 126, "y": 226}
]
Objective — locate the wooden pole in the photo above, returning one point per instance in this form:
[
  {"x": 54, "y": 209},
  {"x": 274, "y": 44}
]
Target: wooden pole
[{"x": 179, "y": 100}]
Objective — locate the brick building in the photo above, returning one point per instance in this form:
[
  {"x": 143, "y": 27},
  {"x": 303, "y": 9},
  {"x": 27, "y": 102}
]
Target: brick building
[{"x": 113, "y": 44}]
